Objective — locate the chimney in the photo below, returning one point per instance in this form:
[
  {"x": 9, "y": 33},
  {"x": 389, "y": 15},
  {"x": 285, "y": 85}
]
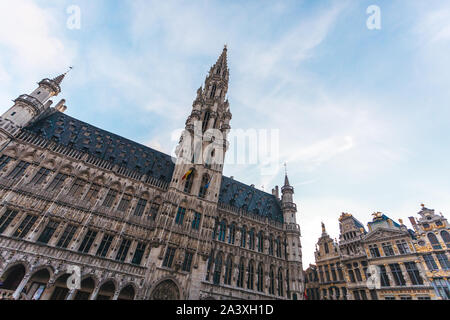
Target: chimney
[
  {"x": 275, "y": 192},
  {"x": 60, "y": 106}
]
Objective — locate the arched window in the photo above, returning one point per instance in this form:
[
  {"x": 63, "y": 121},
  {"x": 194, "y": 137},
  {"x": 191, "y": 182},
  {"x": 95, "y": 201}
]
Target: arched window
[
  {"x": 280, "y": 282},
  {"x": 260, "y": 242},
  {"x": 222, "y": 230},
  {"x": 434, "y": 241},
  {"x": 213, "y": 91},
  {"x": 205, "y": 121},
  {"x": 240, "y": 279},
  {"x": 325, "y": 246},
  {"x": 228, "y": 270},
  {"x": 271, "y": 281},
  {"x": 271, "y": 245},
  {"x": 210, "y": 262},
  {"x": 287, "y": 285},
  {"x": 217, "y": 268},
  {"x": 251, "y": 275},
  {"x": 260, "y": 280},
  {"x": 188, "y": 183},
  {"x": 446, "y": 237},
  {"x": 204, "y": 186},
  {"x": 251, "y": 241},
  {"x": 278, "y": 243},
  {"x": 243, "y": 236},
  {"x": 232, "y": 233}
]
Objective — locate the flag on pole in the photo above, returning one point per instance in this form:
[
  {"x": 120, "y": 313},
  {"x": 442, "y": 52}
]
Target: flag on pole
[{"x": 187, "y": 174}]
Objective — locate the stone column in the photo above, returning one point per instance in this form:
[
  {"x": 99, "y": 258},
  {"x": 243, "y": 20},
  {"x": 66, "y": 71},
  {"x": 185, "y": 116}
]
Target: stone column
[
  {"x": 71, "y": 294},
  {"x": 116, "y": 295},
  {"x": 22, "y": 284},
  {"x": 94, "y": 293}
]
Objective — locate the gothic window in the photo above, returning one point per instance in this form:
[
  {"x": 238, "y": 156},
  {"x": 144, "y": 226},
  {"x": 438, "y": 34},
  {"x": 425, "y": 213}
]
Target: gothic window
[
  {"x": 124, "y": 203},
  {"x": 413, "y": 273},
  {"x": 139, "y": 253},
  {"x": 287, "y": 284},
  {"x": 6, "y": 219},
  {"x": 278, "y": 246},
  {"x": 260, "y": 280},
  {"x": 188, "y": 183},
  {"x": 4, "y": 160},
  {"x": 77, "y": 188},
  {"x": 140, "y": 207},
  {"x": 446, "y": 237},
  {"x": 87, "y": 241},
  {"x": 271, "y": 245},
  {"x": 48, "y": 232},
  {"x": 168, "y": 259},
  {"x": 217, "y": 268},
  {"x": 210, "y": 262},
  {"x": 110, "y": 197},
  {"x": 271, "y": 281},
  {"x": 213, "y": 91},
  {"x": 166, "y": 290},
  {"x": 397, "y": 274},
  {"x": 105, "y": 245},
  {"x": 18, "y": 170},
  {"x": 240, "y": 280},
  {"x": 260, "y": 242},
  {"x": 187, "y": 261},
  {"x": 123, "y": 250},
  {"x": 387, "y": 248},
  {"x": 204, "y": 186},
  {"x": 205, "y": 121},
  {"x": 222, "y": 230},
  {"x": 25, "y": 227},
  {"x": 384, "y": 277},
  {"x": 243, "y": 236},
  {"x": 251, "y": 241},
  {"x": 228, "y": 270},
  {"x": 196, "y": 221},
  {"x": 251, "y": 275},
  {"x": 180, "y": 215},
  {"x": 434, "y": 241},
  {"x": 232, "y": 233},
  {"x": 67, "y": 236},
  {"x": 92, "y": 193},
  {"x": 42, "y": 174}
]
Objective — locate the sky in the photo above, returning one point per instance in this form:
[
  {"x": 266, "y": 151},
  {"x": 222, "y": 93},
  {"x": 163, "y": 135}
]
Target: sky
[{"x": 363, "y": 114}]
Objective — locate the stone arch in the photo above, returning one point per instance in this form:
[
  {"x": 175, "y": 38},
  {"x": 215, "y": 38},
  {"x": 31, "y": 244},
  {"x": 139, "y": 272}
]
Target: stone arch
[
  {"x": 107, "y": 289},
  {"x": 99, "y": 180},
  {"x": 38, "y": 282},
  {"x": 128, "y": 292},
  {"x": 49, "y": 164},
  {"x": 29, "y": 155},
  {"x": 88, "y": 284},
  {"x": 60, "y": 290},
  {"x": 166, "y": 289},
  {"x": 12, "y": 152},
  {"x": 84, "y": 174},
  {"x": 13, "y": 276},
  {"x": 130, "y": 190},
  {"x": 145, "y": 195},
  {"x": 66, "y": 168},
  {"x": 116, "y": 185}
]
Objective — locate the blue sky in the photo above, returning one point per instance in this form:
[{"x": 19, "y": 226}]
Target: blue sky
[{"x": 363, "y": 114}]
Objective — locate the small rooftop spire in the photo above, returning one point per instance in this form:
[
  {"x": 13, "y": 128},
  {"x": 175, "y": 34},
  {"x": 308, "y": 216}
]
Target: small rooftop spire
[{"x": 60, "y": 78}]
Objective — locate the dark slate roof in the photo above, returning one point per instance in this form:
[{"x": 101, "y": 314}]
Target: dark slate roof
[
  {"x": 359, "y": 224},
  {"x": 82, "y": 136},
  {"x": 240, "y": 195}
]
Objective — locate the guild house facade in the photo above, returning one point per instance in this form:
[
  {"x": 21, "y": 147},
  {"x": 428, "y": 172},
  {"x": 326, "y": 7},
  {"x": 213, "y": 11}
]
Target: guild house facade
[
  {"x": 87, "y": 214},
  {"x": 410, "y": 264}
]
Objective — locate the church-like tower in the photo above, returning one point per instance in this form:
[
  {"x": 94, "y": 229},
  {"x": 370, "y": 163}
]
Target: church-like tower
[
  {"x": 293, "y": 244},
  {"x": 28, "y": 107}
]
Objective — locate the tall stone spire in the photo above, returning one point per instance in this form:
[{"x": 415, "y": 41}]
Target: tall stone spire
[{"x": 58, "y": 80}]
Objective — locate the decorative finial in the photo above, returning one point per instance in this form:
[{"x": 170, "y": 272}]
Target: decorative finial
[{"x": 422, "y": 205}]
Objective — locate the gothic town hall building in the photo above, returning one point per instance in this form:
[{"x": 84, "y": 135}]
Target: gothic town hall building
[{"x": 135, "y": 223}]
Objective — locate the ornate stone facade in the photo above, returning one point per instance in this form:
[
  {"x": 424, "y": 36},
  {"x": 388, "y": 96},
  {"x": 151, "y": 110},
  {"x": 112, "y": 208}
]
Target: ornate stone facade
[
  {"x": 137, "y": 224},
  {"x": 388, "y": 261}
]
